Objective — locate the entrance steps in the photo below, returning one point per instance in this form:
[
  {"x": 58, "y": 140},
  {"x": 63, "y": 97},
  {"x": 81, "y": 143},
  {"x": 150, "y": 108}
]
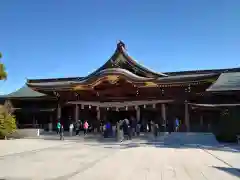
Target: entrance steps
[
  {"x": 175, "y": 138},
  {"x": 185, "y": 138}
]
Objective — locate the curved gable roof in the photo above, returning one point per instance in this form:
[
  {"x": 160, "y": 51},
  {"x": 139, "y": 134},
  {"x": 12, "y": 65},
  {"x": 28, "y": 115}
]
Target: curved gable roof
[{"x": 121, "y": 59}]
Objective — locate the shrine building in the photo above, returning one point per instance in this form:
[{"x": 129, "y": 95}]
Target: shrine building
[{"x": 123, "y": 88}]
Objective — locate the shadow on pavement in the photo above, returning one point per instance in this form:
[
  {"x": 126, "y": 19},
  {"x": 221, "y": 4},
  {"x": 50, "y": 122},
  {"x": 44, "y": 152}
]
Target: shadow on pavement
[{"x": 232, "y": 171}]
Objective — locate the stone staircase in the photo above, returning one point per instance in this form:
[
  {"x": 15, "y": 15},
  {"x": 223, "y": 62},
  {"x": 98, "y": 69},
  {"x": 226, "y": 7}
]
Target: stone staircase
[{"x": 203, "y": 139}]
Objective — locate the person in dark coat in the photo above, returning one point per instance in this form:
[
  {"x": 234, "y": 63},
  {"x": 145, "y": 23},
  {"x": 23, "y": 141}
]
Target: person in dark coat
[
  {"x": 77, "y": 127},
  {"x": 129, "y": 131},
  {"x": 170, "y": 126},
  {"x": 155, "y": 130},
  {"x": 61, "y": 133}
]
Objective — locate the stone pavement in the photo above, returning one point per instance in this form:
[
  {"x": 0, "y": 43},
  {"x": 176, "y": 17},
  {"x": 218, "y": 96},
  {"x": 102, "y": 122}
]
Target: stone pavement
[
  {"x": 24, "y": 145},
  {"x": 228, "y": 155},
  {"x": 62, "y": 160}
]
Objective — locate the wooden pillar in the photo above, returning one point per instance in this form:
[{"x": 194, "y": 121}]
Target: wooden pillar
[
  {"x": 76, "y": 112},
  {"x": 98, "y": 114},
  {"x": 187, "y": 123},
  {"x": 201, "y": 120},
  {"x": 163, "y": 112},
  {"x": 138, "y": 114},
  {"x": 50, "y": 124},
  {"x": 34, "y": 121},
  {"x": 59, "y": 112}
]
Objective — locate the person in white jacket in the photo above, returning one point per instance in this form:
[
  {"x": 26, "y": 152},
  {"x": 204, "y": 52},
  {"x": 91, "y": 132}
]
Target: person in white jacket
[
  {"x": 120, "y": 134},
  {"x": 71, "y": 129}
]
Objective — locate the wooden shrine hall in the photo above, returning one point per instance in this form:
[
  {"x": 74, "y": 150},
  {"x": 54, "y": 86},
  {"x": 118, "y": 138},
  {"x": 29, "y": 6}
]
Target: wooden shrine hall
[{"x": 123, "y": 88}]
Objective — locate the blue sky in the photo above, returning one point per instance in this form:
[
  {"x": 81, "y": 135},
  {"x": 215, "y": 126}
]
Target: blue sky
[{"x": 63, "y": 38}]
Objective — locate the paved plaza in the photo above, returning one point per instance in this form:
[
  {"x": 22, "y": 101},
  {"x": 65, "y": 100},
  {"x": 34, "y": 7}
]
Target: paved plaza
[{"x": 30, "y": 159}]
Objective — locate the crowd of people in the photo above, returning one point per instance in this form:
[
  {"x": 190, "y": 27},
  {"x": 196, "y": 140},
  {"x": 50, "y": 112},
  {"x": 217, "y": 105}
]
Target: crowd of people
[
  {"x": 78, "y": 126},
  {"x": 126, "y": 128}
]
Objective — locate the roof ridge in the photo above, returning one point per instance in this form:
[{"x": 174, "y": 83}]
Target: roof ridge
[
  {"x": 140, "y": 65},
  {"x": 205, "y": 71},
  {"x": 54, "y": 79}
]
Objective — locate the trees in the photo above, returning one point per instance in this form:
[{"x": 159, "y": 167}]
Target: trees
[
  {"x": 3, "y": 73},
  {"x": 7, "y": 120}
]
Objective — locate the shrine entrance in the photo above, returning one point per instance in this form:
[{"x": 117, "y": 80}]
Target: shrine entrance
[{"x": 113, "y": 116}]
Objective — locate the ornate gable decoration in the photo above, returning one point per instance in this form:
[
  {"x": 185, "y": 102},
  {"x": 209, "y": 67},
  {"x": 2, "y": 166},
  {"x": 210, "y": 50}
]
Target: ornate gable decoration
[{"x": 112, "y": 79}]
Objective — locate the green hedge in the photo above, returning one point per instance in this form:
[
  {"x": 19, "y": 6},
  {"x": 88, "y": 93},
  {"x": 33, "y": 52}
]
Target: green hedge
[{"x": 229, "y": 125}]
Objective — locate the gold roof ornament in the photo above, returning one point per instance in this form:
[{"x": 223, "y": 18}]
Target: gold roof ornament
[
  {"x": 80, "y": 87},
  {"x": 112, "y": 79},
  {"x": 150, "y": 84}
]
